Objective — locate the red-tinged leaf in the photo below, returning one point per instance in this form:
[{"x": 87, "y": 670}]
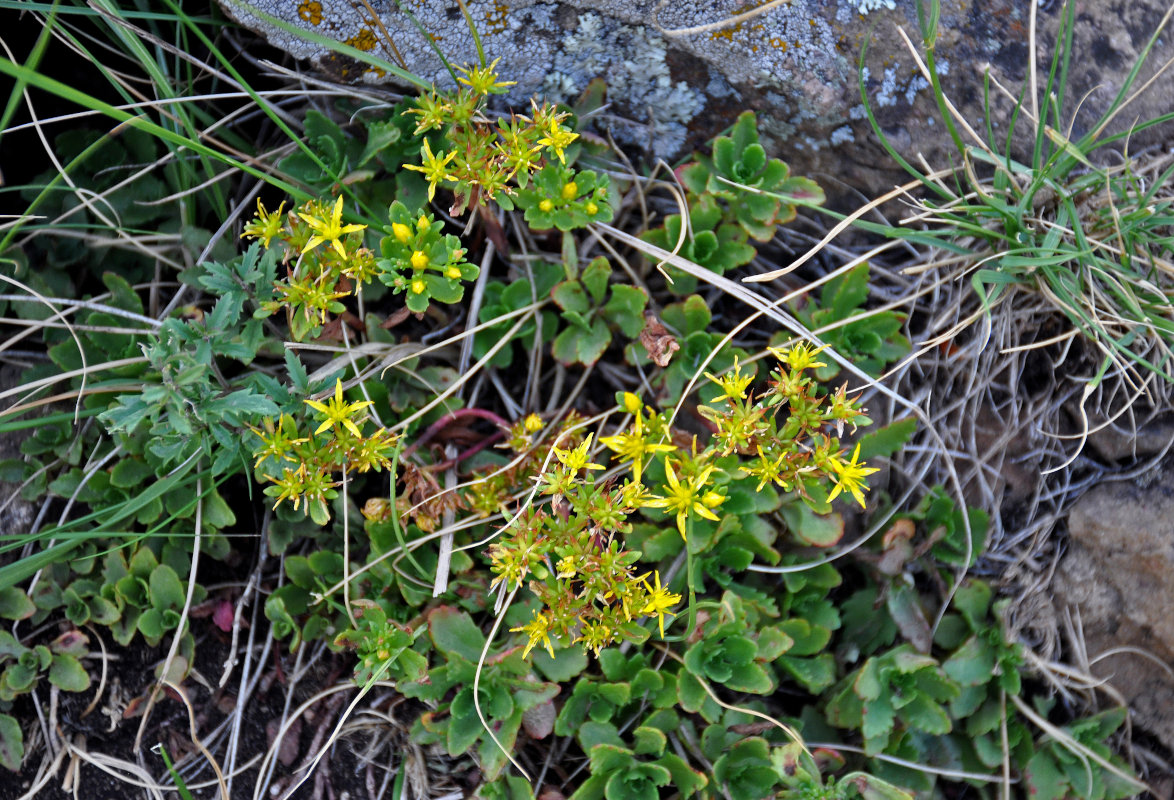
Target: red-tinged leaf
[{"x": 223, "y": 615}]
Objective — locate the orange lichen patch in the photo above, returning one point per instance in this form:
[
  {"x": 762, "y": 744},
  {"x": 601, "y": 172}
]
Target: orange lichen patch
[
  {"x": 725, "y": 33},
  {"x": 311, "y": 12},
  {"x": 364, "y": 40},
  {"x": 496, "y": 19}
]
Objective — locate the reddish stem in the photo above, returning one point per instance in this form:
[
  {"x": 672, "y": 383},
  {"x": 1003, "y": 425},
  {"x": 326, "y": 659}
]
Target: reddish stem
[
  {"x": 440, "y": 424},
  {"x": 477, "y": 448}
]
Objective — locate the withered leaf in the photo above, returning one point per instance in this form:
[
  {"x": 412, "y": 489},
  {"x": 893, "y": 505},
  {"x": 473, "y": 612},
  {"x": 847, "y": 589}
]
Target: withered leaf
[{"x": 656, "y": 339}]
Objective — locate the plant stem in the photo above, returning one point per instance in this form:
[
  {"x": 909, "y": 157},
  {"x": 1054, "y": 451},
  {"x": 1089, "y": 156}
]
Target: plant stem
[
  {"x": 448, "y": 419},
  {"x": 690, "y": 577}
]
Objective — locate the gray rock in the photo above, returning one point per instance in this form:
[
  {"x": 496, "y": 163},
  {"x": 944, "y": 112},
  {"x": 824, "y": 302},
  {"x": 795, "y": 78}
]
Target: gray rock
[
  {"x": 680, "y": 71},
  {"x": 1116, "y": 574}
]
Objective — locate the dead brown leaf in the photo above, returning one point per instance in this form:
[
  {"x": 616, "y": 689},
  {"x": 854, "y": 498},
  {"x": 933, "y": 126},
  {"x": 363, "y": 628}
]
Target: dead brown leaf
[{"x": 657, "y": 340}]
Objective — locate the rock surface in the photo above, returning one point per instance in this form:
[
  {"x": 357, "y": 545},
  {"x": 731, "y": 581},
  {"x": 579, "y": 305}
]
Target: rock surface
[
  {"x": 682, "y": 70},
  {"x": 1116, "y": 574}
]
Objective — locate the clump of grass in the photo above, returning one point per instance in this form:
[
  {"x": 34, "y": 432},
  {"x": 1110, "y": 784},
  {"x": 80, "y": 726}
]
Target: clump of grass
[
  {"x": 1076, "y": 221},
  {"x": 1093, "y": 239}
]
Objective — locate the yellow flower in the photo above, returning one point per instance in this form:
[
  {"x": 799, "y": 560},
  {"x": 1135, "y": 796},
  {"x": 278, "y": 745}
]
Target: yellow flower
[
  {"x": 768, "y": 471},
  {"x": 329, "y": 231},
  {"x": 265, "y": 226},
  {"x": 799, "y": 357},
  {"x": 419, "y": 259},
  {"x": 660, "y": 600},
  {"x": 538, "y": 629},
  {"x": 453, "y": 272},
  {"x": 292, "y": 484},
  {"x": 277, "y": 441},
  {"x": 596, "y": 636},
  {"x": 575, "y": 460},
  {"x": 570, "y": 190},
  {"x": 533, "y": 423},
  {"x": 733, "y": 383},
  {"x": 683, "y": 498},
  {"x": 591, "y": 208},
  {"x": 434, "y": 169},
  {"x": 338, "y": 412},
  {"x": 401, "y": 232},
  {"x": 418, "y": 286},
  {"x": 423, "y": 224},
  {"x": 852, "y": 475},
  {"x": 557, "y": 138},
  {"x": 510, "y": 566},
  {"x": 634, "y": 495},
  {"x": 566, "y": 567},
  {"x": 546, "y": 205},
  {"x": 483, "y": 80},
  {"x": 634, "y": 446}
]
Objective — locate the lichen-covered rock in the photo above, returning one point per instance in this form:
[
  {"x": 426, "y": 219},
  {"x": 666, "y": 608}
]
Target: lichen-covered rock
[{"x": 678, "y": 72}]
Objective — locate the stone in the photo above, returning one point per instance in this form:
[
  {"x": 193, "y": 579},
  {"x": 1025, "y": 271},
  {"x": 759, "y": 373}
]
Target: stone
[
  {"x": 1115, "y": 580},
  {"x": 679, "y": 72},
  {"x": 1130, "y": 437}
]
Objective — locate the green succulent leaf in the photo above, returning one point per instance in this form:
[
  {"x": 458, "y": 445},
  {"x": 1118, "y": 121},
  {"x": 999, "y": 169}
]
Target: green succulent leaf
[
  {"x": 11, "y": 743},
  {"x": 15, "y": 604},
  {"x": 67, "y": 674},
  {"x": 454, "y": 633},
  {"x": 165, "y": 588}
]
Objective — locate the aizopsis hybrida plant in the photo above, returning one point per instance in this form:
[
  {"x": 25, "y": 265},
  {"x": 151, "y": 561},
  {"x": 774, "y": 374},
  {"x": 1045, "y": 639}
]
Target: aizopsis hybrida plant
[{"x": 574, "y": 556}]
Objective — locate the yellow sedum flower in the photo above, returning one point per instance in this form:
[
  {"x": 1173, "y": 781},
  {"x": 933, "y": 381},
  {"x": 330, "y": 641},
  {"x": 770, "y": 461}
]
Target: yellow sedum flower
[
  {"x": 851, "y": 477},
  {"x": 419, "y": 259},
  {"x": 329, "y": 231},
  {"x": 634, "y": 446},
  {"x": 338, "y": 412},
  {"x": 401, "y": 232},
  {"x": 277, "y": 441},
  {"x": 435, "y": 169},
  {"x": 800, "y": 357},
  {"x": 596, "y": 636},
  {"x": 265, "y": 225},
  {"x": 566, "y": 567},
  {"x": 768, "y": 471},
  {"x": 577, "y": 459},
  {"x": 733, "y": 383},
  {"x": 660, "y": 600},
  {"x": 538, "y": 629},
  {"x": 557, "y": 138},
  {"x": 483, "y": 80},
  {"x": 685, "y": 498}
]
